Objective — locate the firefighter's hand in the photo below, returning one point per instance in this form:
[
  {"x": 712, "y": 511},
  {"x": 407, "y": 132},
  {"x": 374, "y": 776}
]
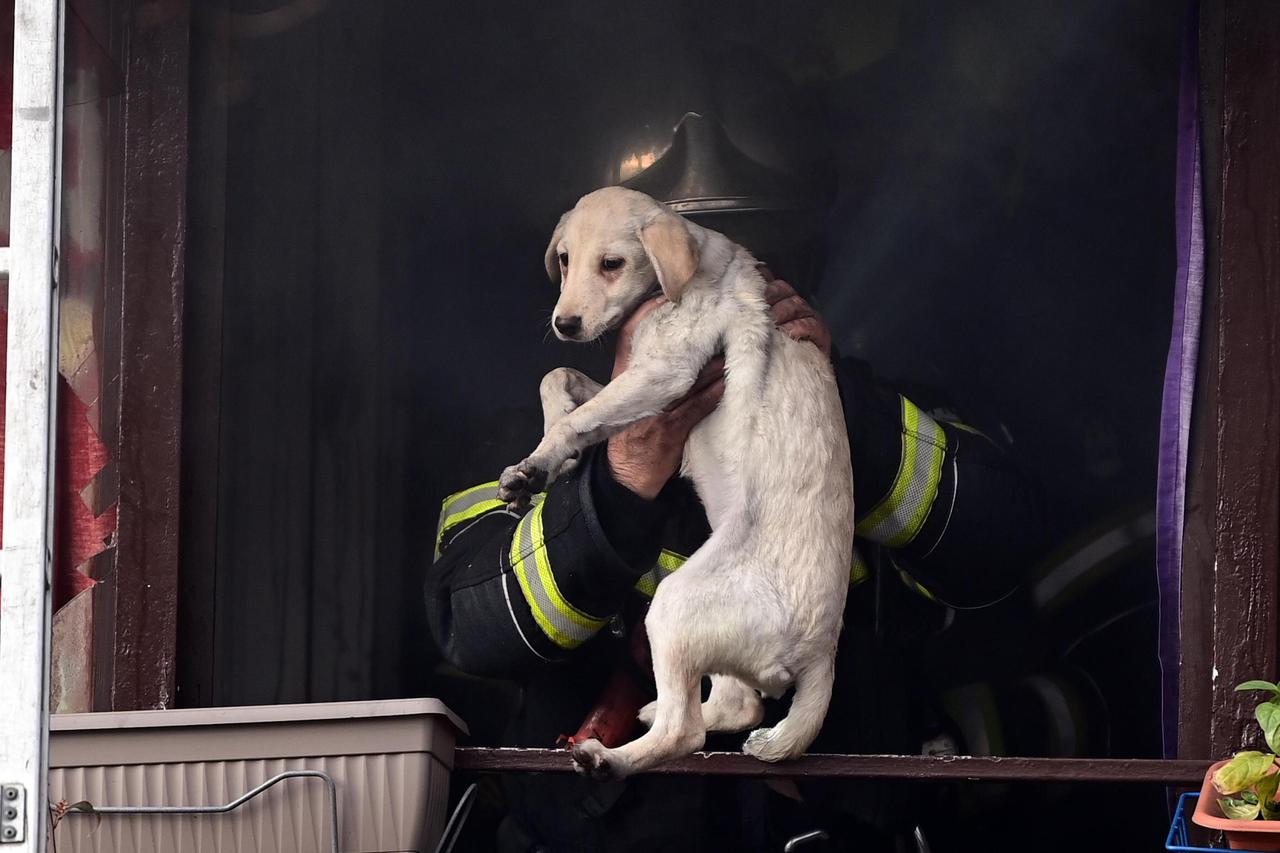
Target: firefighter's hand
[
  {"x": 793, "y": 315},
  {"x": 648, "y": 453}
]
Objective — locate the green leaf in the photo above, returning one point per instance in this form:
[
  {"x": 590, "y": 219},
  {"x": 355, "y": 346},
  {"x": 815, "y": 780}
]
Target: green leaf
[
  {"x": 1238, "y": 809},
  {"x": 1243, "y": 771},
  {"x": 1268, "y": 714},
  {"x": 1258, "y": 685},
  {"x": 1266, "y": 789}
]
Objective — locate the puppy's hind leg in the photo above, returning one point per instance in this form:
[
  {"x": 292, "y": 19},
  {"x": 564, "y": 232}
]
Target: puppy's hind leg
[
  {"x": 791, "y": 737},
  {"x": 677, "y": 725},
  {"x": 732, "y": 706}
]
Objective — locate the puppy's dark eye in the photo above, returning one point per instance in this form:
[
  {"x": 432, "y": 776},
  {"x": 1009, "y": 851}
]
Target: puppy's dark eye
[
  {"x": 564, "y": 259},
  {"x": 612, "y": 264}
]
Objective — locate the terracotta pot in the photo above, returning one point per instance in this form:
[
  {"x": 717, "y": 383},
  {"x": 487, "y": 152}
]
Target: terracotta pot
[{"x": 1263, "y": 835}]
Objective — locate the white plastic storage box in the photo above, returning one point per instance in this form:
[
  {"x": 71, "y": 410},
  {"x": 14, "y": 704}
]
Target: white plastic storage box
[{"x": 389, "y": 762}]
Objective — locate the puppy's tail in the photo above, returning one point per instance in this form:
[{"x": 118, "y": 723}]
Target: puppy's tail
[{"x": 791, "y": 737}]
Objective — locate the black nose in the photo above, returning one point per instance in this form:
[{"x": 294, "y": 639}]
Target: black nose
[{"x": 569, "y": 326}]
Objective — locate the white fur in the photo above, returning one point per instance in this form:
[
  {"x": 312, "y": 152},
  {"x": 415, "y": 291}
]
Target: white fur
[{"x": 759, "y": 605}]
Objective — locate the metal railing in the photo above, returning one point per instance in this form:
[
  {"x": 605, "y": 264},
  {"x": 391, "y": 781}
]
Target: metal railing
[{"x": 332, "y": 790}]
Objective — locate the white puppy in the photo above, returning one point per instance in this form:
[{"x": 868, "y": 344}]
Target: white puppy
[{"x": 759, "y": 606}]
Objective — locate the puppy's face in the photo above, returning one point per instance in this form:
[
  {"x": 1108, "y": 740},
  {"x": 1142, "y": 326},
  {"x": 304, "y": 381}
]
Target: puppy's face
[{"x": 603, "y": 255}]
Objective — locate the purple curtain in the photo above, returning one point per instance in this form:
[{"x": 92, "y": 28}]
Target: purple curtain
[{"x": 1179, "y": 378}]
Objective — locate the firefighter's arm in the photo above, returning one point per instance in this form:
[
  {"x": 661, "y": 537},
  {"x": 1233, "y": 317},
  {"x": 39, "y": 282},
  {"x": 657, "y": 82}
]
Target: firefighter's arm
[
  {"x": 508, "y": 592},
  {"x": 950, "y": 503}
]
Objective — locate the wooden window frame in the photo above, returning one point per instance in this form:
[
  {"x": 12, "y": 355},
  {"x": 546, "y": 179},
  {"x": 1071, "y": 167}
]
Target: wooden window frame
[
  {"x": 1232, "y": 538},
  {"x": 135, "y": 607}
]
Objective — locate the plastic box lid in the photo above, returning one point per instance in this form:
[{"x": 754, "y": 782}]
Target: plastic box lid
[
  {"x": 254, "y": 732},
  {"x": 243, "y": 714}
]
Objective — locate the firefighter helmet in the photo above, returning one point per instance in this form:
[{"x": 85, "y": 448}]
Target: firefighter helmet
[{"x": 740, "y": 151}]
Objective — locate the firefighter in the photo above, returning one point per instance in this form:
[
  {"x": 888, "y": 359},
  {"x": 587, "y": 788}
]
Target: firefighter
[
  {"x": 536, "y": 598},
  {"x": 548, "y": 599}
]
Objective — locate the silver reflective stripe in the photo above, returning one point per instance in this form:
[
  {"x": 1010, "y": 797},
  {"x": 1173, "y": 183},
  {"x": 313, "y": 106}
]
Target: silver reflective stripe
[
  {"x": 506, "y": 595},
  {"x": 897, "y": 519},
  {"x": 566, "y": 626},
  {"x": 1077, "y": 570}
]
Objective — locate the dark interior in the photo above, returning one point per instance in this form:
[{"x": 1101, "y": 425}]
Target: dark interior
[{"x": 999, "y": 236}]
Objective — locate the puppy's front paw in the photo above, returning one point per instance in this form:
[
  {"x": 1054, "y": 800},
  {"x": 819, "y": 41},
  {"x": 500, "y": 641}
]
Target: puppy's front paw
[
  {"x": 519, "y": 483},
  {"x": 591, "y": 759},
  {"x": 513, "y": 487},
  {"x": 565, "y": 467}
]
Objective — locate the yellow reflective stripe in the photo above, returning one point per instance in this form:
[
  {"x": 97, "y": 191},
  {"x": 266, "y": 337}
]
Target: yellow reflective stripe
[
  {"x": 897, "y": 519},
  {"x": 585, "y": 620},
  {"x": 468, "y": 504},
  {"x": 859, "y": 570},
  {"x": 668, "y": 562},
  {"x": 882, "y": 514},
  {"x": 491, "y": 486},
  {"x": 565, "y": 625},
  {"x": 459, "y": 503},
  {"x": 915, "y": 585},
  {"x": 471, "y": 512}
]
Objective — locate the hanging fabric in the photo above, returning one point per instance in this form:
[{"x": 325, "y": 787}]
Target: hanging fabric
[{"x": 1179, "y": 378}]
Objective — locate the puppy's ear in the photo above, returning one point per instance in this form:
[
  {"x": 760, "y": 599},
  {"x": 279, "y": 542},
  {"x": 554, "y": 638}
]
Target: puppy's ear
[
  {"x": 672, "y": 251},
  {"x": 552, "y": 259}
]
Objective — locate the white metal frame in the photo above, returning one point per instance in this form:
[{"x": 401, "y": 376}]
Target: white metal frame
[{"x": 26, "y": 558}]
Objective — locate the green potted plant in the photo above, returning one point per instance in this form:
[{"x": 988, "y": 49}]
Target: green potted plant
[{"x": 1239, "y": 794}]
